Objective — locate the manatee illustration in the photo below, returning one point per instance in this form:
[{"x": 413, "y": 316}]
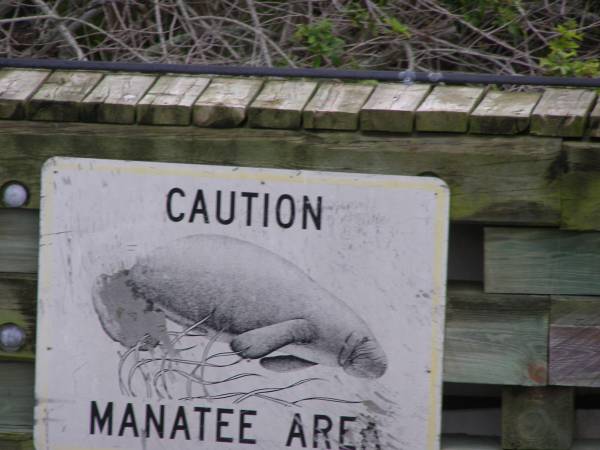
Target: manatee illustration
[{"x": 250, "y": 297}]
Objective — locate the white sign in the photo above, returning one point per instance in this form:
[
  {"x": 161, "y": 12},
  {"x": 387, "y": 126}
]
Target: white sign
[{"x": 188, "y": 306}]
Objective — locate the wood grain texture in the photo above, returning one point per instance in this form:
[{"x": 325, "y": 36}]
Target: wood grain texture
[
  {"x": 169, "y": 101},
  {"x": 225, "y": 102},
  {"x": 336, "y": 106},
  {"x": 562, "y": 112},
  {"x": 18, "y": 306},
  {"x": 503, "y": 112},
  {"x": 280, "y": 104},
  {"x": 495, "y": 339},
  {"x": 60, "y": 97},
  {"x": 574, "y": 336},
  {"x": 18, "y": 240},
  {"x": 538, "y": 418},
  {"x": 16, "y": 392},
  {"x": 392, "y": 106},
  {"x": 113, "y": 100},
  {"x": 492, "y": 180},
  {"x": 17, "y": 86},
  {"x": 541, "y": 261},
  {"x": 594, "y": 121},
  {"x": 580, "y": 186},
  {"x": 447, "y": 108}
]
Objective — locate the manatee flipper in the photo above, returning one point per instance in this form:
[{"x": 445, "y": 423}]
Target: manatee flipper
[
  {"x": 285, "y": 363},
  {"x": 260, "y": 342}
]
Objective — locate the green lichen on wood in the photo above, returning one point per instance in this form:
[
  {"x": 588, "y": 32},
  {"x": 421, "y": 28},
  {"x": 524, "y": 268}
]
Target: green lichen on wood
[
  {"x": 447, "y": 108},
  {"x": 562, "y": 112},
  {"x": 493, "y": 180}
]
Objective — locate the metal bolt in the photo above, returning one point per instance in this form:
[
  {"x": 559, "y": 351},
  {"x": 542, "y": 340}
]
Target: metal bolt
[
  {"x": 14, "y": 195},
  {"x": 12, "y": 337}
]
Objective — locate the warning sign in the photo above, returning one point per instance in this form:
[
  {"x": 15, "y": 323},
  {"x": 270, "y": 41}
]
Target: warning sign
[{"x": 190, "y": 306}]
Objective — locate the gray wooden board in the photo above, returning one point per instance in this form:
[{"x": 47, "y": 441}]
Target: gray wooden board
[
  {"x": 17, "y": 306},
  {"x": 225, "y": 102},
  {"x": 113, "y": 100},
  {"x": 336, "y": 106},
  {"x": 280, "y": 104},
  {"x": 16, "y": 88},
  {"x": 18, "y": 240},
  {"x": 16, "y": 392},
  {"x": 122, "y": 260},
  {"x": 562, "y": 112},
  {"x": 580, "y": 186},
  {"x": 392, "y": 106},
  {"x": 574, "y": 358},
  {"x": 503, "y": 112},
  {"x": 447, "y": 108},
  {"x": 492, "y": 180},
  {"x": 541, "y": 261},
  {"x": 169, "y": 101},
  {"x": 496, "y": 339},
  {"x": 60, "y": 97}
]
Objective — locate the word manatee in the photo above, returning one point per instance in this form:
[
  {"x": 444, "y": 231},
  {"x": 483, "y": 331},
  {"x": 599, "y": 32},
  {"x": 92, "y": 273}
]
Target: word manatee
[{"x": 250, "y": 297}]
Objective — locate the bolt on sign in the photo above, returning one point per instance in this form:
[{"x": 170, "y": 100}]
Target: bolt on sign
[{"x": 193, "y": 306}]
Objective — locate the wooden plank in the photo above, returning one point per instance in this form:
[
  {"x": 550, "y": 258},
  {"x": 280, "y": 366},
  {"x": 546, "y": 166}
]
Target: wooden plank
[
  {"x": 113, "y": 100},
  {"x": 225, "y": 102},
  {"x": 594, "y": 121},
  {"x": 16, "y": 392},
  {"x": 462, "y": 442},
  {"x": 574, "y": 337},
  {"x": 18, "y": 240},
  {"x": 580, "y": 186},
  {"x": 496, "y": 339},
  {"x": 17, "y": 86},
  {"x": 541, "y": 261},
  {"x": 392, "y": 107},
  {"x": 538, "y": 418},
  {"x": 280, "y": 104},
  {"x": 489, "y": 338},
  {"x": 18, "y": 306},
  {"x": 336, "y": 106},
  {"x": 60, "y": 97},
  {"x": 498, "y": 180},
  {"x": 447, "y": 108},
  {"x": 562, "y": 112},
  {"x": 169, "y": 101},
  {"x": 503, "y": 112}
]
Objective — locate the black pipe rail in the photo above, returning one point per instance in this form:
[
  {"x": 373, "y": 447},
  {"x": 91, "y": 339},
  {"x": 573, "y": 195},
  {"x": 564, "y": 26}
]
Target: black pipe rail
[{"x": 406, "y": 76}]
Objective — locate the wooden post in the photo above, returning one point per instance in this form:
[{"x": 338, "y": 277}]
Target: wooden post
[{"x": 538, "y": 418}]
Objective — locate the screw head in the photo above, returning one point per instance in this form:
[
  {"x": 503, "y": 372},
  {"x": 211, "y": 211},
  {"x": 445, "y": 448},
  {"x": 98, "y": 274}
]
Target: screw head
[
  {"x": 14, "y": 195},
  {"x": 12, "y": 337}
]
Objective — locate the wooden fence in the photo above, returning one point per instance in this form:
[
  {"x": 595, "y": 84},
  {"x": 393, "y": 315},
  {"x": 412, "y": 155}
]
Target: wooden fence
[{"x": 523, "y": 169}]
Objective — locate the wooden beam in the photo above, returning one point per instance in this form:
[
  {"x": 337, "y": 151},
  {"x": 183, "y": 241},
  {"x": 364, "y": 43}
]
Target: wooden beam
[
  {"x": 497, "y": 180},
  {"x": 280, "y": 104},
  {"x": 17, "y": 86},
  {"x": 18, "y": 240},
  {"x": 113, "y": 100},
  {"x": 169, "y": 101},
  {"x": 60, "y": 97},
  {"x": 18, "y": 306},
  {"x": 538, "y": 418},
  {"x": 541, "y": 261},
  {"x": 447, "y": 108},
  {"x": 580, "y": 186},
  {"x": 503, "y": 112},
  {"x": 574, "y": 336},
  {"x": 496, "y": 339},
  {"x": 336, "y": 106},
  {"x": 16, "y": 392},
  {"x": 225, "y": 101},
  {"x": 562, "y": 112},
  {"x": 392, "y": 107}
]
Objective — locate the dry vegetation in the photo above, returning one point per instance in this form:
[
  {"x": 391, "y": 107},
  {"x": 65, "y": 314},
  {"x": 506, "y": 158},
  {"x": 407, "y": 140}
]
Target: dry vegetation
[{"x": 493, "y": 36}]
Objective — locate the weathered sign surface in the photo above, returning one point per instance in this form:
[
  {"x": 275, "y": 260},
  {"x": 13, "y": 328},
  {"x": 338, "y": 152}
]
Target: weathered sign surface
[{"x": 188, "y": 306}]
